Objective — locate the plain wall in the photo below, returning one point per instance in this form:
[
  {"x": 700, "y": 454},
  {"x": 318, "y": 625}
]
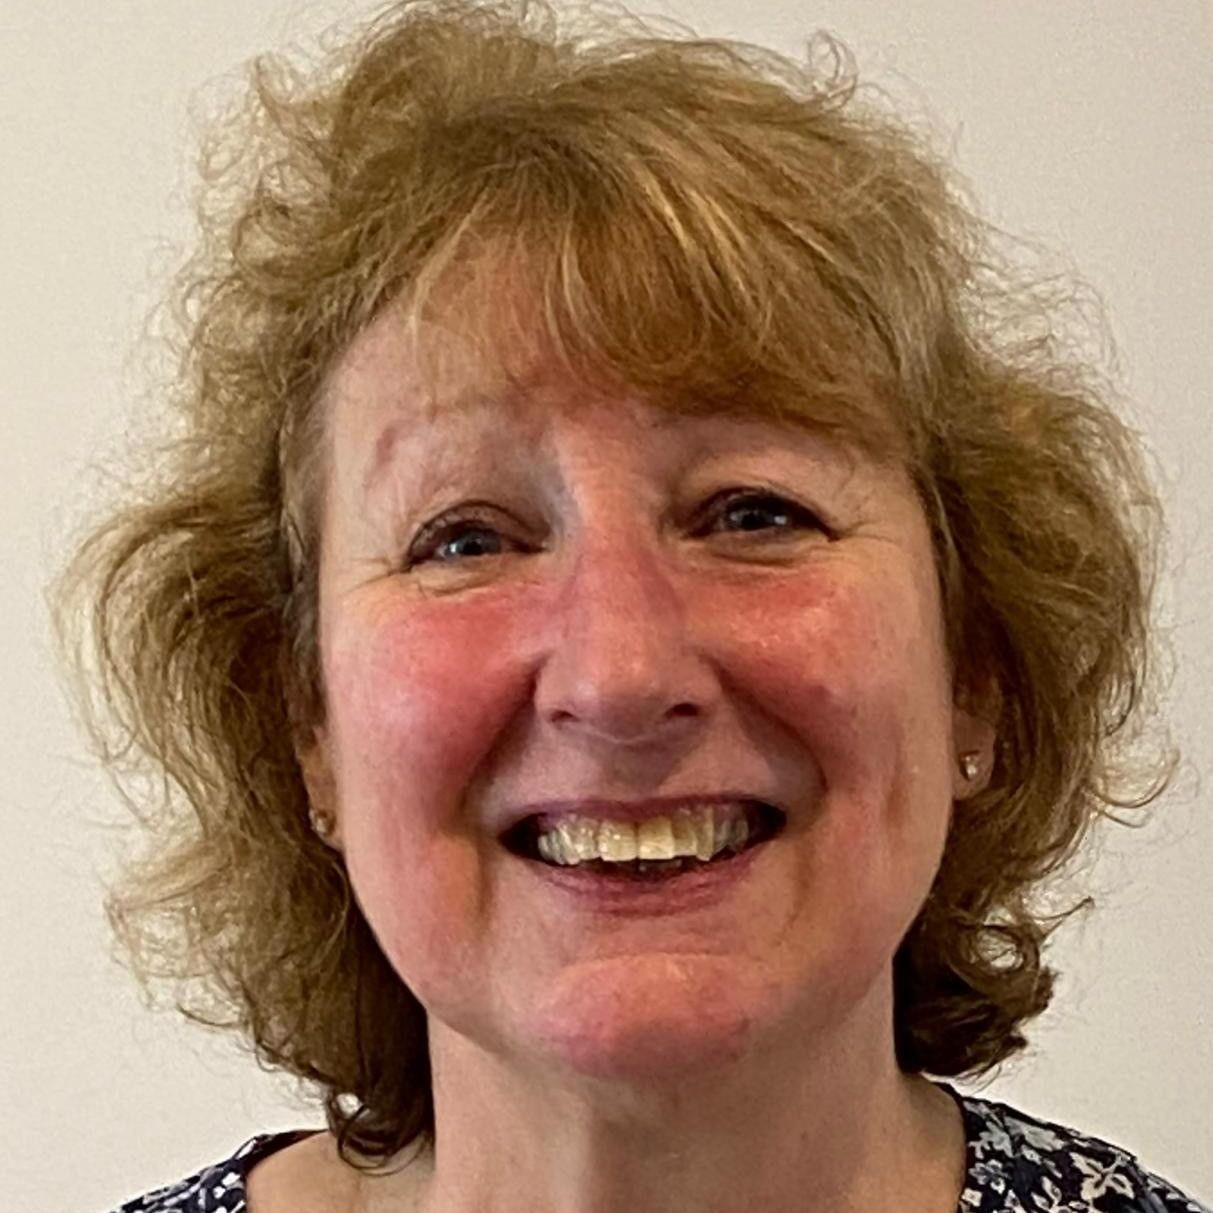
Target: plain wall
[{"x": 1085, "y": 126}]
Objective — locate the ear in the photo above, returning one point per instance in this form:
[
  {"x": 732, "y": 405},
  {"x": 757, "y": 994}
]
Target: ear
[
  {"x": 315, "y": 762},
  {"x": 975, "y": 716}
]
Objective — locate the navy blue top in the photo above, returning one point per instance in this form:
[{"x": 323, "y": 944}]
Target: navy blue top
[{"x": 1015, "y": 1163}]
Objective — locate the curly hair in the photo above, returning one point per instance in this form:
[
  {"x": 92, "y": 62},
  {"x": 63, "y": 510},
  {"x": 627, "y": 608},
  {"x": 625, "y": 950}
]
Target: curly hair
[{"x": 709, "y": 221}]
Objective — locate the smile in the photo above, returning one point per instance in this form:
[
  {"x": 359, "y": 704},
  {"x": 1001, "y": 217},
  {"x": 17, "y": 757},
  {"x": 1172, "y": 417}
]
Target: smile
[{"x": 660, "y": 847}]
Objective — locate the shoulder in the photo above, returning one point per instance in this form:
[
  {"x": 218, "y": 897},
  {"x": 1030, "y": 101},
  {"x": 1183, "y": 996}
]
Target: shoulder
[
  {"x": 217, "y": 1188},
  {"x": 1019, "y": 1161}
]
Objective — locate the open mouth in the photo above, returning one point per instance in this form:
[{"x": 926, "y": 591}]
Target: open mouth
[{"x": 765, "y": 822}]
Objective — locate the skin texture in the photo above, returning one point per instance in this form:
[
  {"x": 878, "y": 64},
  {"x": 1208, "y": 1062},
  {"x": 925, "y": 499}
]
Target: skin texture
[{"x": 596, "y": 632}]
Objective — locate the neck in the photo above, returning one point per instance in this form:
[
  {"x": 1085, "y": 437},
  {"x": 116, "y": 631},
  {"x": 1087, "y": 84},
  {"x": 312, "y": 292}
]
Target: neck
[{"x": 795, "y": 1126}]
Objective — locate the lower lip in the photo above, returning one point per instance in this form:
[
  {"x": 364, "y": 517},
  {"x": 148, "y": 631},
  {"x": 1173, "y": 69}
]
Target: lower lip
[{"x": 691, "y": 890}]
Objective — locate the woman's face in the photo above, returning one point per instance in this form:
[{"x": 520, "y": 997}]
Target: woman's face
[{"x": 599, "y": 631}]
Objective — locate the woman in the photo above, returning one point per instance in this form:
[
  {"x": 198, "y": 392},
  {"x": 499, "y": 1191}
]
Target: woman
[{"x": 637, "y": 615}]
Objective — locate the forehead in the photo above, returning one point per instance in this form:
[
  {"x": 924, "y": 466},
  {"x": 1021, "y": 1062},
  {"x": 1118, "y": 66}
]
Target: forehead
[{"x": 402, "y": 387}]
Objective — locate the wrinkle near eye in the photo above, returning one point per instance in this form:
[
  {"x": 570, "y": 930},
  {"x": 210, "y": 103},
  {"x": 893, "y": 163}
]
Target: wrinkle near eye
[{"x": 549, "y": 483}]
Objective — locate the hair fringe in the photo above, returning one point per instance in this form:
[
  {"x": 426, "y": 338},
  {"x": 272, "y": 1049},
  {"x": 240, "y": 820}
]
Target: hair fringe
[{"x": 712, "y": 223}]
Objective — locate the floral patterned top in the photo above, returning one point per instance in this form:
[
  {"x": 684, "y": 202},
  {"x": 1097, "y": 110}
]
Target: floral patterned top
[{"x": 1015, "y": 1163}]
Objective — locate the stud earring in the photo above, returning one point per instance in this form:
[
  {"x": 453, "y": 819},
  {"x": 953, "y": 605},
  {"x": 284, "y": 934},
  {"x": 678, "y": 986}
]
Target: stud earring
[
  {"x": 322, "y": 823},
  {"x": 970, "y": 764}
]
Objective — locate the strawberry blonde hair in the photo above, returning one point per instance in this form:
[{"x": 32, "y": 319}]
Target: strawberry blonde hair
[{"x": 704, "y": 220}]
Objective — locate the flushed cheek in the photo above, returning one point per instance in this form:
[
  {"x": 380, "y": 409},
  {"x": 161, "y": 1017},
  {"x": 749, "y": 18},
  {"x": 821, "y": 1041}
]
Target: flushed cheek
[
  {"x": 831, "y": 662},
  {"x": 417, "y": 696},
  {"x": 847, "y": 669},
  {"x": 419, "y": 692},
  {"x": 422, "y": 691}
]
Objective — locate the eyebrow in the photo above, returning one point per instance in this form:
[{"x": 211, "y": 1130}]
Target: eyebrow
[
  {"x": 469, "y": 400},
  {"x": 498, "y": 399}
]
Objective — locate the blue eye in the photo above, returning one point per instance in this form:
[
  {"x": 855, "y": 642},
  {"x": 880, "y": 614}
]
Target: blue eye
[
  {"x": 472, "y": 526},
  {"x": 449, "y": 530},
  {"x": 757, "y": 505}
]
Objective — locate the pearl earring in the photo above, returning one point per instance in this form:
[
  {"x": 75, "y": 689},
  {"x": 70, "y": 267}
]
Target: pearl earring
[
  {"x": 322, "y": 823},
  {"x": 970, "y": 764}
]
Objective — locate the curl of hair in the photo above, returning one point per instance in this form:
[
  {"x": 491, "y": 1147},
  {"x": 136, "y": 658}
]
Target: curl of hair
[{"x": 704, "y": 220}]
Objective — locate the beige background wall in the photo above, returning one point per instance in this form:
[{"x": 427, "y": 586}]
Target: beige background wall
[{"x": 1084, "y": 125}]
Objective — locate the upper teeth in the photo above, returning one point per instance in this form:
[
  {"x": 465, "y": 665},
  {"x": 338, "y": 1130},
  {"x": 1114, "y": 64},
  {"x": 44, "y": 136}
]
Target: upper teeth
[{"x": 703, "y": 832}]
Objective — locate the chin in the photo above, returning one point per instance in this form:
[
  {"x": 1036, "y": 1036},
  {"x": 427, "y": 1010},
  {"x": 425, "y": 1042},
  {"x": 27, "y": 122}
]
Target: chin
[{"x": 646, "y": 1019}]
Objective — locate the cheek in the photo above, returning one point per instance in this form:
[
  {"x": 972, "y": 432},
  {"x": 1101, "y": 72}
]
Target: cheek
[
  {"x": 834, "y": 682},
  {"x": 416, "y": 697},
  {"x": 856, "y": 670},
  {"x": 851, "y": 665},
  {"x": 410, "y": 700},
  {"x": 854, "y": 664}
]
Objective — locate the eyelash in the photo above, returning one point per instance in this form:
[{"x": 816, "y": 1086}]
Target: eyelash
[{"x": 478, "y": 517}]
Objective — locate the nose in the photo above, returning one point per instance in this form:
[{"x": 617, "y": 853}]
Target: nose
[{"x": 621, "y": 668}]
